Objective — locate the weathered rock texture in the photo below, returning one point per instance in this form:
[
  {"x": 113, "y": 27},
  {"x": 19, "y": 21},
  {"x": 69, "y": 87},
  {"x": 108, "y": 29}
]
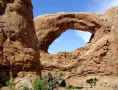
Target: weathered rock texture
[
  {"x": 99, "y": 57},
  {"x": 18, "y": 40}
]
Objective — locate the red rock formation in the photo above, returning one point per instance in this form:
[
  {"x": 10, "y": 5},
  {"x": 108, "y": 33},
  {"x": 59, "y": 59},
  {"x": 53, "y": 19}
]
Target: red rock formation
[
  {"x": 18, "y": 40},
  {"x": 99, "y": 57}
]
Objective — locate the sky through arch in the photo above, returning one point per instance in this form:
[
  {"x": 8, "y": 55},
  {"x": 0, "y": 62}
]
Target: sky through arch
[{"x": 67, "y": 43}]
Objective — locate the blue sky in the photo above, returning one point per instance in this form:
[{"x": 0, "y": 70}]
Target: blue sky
[{"x": 71, "y": 39}]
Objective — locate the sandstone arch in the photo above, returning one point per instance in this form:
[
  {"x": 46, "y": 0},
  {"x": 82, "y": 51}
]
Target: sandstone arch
[
  {"x": 98, "y": 57},
  {"x": 50, "y": 27}
]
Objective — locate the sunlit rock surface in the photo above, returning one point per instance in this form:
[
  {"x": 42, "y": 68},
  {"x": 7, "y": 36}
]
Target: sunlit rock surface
[{"x": 18, "y": 41}]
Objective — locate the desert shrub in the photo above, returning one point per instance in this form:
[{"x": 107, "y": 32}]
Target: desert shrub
[
  {"x": 53, "y": 81},
  {"x": 69, "y": 68},
  {"x": 92, "y": 81},
  {"x": 10, "y": 83},
  {"x": 39, "y": 85},
  {"x": 25, "y": 88}
]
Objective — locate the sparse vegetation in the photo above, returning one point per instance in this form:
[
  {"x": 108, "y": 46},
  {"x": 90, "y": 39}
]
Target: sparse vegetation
[
  {"x": 69, "y": 68},
  {"x": 39, "y": 85},
  {"x": 55, "y": 81},
  {"x": 49, "y": 82},
  {"x": 10, "y": 83},
  {"x": 92, "y": 81}
]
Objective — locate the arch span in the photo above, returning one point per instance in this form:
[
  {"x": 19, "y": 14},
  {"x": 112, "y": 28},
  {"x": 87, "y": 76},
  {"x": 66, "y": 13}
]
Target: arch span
[{"x": 50, "y": 27}]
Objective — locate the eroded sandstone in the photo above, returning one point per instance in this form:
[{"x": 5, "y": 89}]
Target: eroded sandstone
[
  {"x": 99, "y": 57},
  {"x": 18, "y": 40}
]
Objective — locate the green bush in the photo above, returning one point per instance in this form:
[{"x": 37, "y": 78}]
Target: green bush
[
  {"x": 39, "y": 85},
  {"x": 25, "y": 88},
  {"x": 69, "y": 68},
  {"x": 92, "y": 81}
]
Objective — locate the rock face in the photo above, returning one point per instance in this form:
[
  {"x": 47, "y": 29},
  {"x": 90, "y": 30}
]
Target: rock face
[
  {"x": 18, "y": 40},
  {"x": 99, "y": 57}
]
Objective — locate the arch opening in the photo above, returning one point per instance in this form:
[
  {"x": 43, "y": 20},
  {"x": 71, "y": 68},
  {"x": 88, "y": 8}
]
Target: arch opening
[{"x": 69, "y": 40}]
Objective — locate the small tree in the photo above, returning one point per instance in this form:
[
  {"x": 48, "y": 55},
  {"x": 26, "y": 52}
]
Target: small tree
[
  {"x": 54, "y": 81},
  {"x": 92, "y": 81}
]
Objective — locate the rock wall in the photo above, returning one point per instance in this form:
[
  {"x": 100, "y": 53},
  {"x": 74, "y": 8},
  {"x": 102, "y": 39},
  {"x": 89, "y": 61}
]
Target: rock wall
[{"x": 18, "y": 41}]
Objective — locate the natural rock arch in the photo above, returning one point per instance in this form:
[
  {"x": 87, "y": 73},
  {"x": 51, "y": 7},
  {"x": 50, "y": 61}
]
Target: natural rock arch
[
  {"x": 21, "y": 46},
  {"x": 99, "y": 56},
  {"x": 50, "y": 27}
]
